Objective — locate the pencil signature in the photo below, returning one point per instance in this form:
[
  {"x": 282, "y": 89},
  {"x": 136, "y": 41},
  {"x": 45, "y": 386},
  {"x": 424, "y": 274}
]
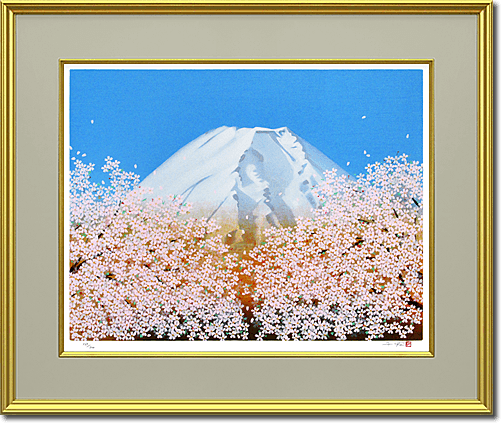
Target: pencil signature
[
  {"x": 395, "y": 344},
  {"x": 88, "y": 345}
]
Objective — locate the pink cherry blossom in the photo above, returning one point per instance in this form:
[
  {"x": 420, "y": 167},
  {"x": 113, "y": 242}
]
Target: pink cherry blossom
[
  {"x": 355, "y": 268},
  {"x": 142, "y": 268}
]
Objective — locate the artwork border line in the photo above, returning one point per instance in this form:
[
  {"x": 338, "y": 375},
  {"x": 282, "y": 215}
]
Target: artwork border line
[{"x": 246, "y": 354}]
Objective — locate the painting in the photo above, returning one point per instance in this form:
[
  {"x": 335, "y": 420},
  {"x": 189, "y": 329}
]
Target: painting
[{"x": 253, "y": 206}]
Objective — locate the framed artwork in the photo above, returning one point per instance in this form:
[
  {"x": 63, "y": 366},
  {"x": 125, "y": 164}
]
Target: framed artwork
[{"x": 288, "y": 203}]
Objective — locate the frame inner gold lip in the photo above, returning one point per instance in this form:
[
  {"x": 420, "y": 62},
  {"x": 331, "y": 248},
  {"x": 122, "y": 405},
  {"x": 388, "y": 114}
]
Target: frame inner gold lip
[{"x": 270, "y": 354}]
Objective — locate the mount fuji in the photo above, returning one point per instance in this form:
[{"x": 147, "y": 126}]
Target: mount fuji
[{"x": 244, "y": 178}]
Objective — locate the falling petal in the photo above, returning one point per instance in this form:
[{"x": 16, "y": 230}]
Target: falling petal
[
  {"x": 364, "y": 117},
  {"x": 364, "y": 152},
  {"x": 407, "y": 136},
  {"x": 92, "y": 121},
  {"x": 348, "y": 163},
  {"x": 84, "y": 155},
  {"x": 135, "y": 166}
]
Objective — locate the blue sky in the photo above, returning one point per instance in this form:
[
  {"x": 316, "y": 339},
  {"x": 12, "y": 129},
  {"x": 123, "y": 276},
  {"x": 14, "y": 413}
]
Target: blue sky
[{"x": 142, "y": 117}]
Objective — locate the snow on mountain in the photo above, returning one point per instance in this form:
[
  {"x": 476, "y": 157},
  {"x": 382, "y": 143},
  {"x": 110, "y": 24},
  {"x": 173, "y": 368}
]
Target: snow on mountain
[{"x": 246, "y": 178}]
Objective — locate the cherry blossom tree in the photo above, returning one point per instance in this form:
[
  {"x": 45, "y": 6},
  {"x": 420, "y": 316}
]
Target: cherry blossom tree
[
  {"x": 141, "y": 268},
  {"x": 355, "y": 268}
]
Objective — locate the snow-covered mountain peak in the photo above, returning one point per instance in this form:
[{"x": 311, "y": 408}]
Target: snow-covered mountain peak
[{"x": 246, "y": 178}]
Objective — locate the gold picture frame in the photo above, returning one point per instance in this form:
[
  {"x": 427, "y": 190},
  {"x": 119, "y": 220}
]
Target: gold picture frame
[{"x": 481, "y": 404}]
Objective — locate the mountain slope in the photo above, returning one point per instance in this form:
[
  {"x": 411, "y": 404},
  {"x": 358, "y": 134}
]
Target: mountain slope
[{"x": 245, "y": 178}]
